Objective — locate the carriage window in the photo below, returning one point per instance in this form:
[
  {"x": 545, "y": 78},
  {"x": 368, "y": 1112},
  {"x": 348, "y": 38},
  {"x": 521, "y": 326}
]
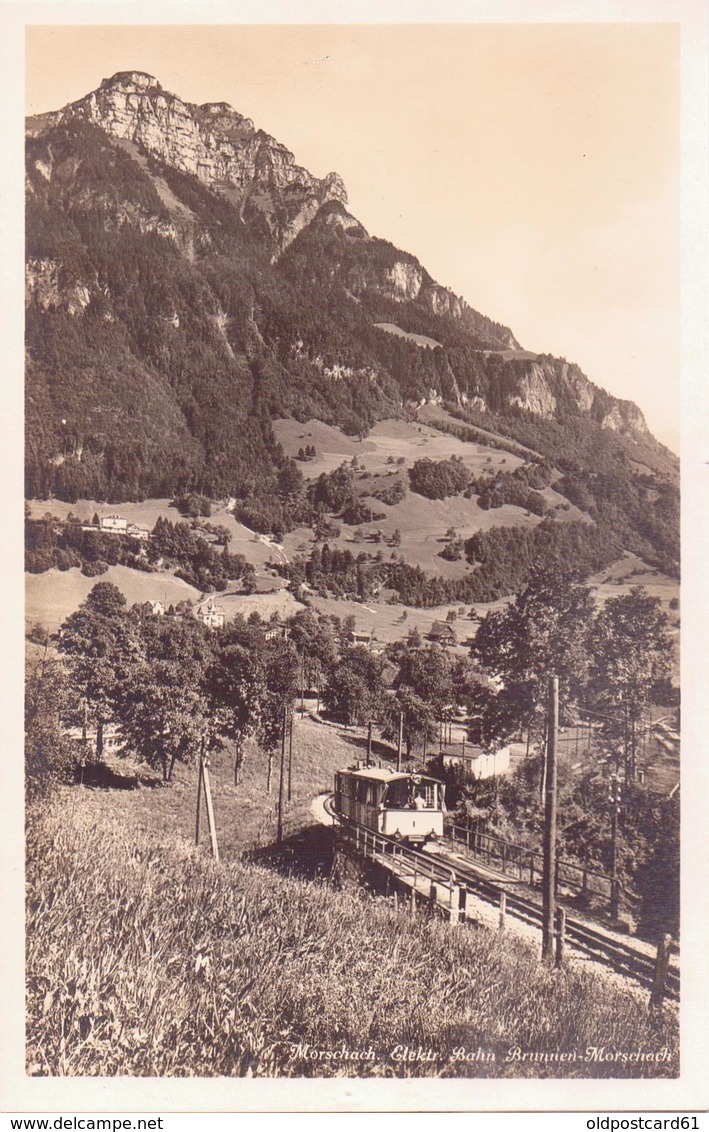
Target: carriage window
[{"x": 397, "y": 795}]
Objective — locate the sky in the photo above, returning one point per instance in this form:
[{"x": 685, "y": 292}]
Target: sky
[{"x": 532, "y": 168}]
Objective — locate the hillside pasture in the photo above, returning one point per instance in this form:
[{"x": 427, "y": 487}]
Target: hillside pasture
[
  {"x": 245, "y": 815},
  {"x": 629, "y": 571},
  {"x": 395, "y": 439},
  {"x": 387, "y": 623},
  {"x": 494, "y": 440},
  {"x": 51, "y": 597},
  {"x": 279, "y": 601},
  {"x": 423, "y": 524}
]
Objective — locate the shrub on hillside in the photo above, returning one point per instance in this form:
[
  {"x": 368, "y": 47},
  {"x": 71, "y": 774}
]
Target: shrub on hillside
[{"x": 437, "y": 479}]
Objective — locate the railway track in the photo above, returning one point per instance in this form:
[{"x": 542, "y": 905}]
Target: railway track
[
  {"x": 445, "y": 868},
  {"x": 621, "y": 957}
]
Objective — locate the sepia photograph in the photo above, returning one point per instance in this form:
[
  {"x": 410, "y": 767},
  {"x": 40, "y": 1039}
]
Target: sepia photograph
[{"x": 352, "y": 383}]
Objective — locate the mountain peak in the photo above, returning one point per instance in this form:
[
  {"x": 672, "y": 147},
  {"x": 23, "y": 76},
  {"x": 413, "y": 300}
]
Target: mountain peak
[
  {"x": 139, "y": 80},
  {"x": 212, "y": 142}
]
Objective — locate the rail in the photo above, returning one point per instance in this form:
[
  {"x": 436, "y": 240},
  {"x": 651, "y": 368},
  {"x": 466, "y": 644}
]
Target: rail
[
  {"x": 527, "y": 863},
  {"x": 458, "y": 881}
]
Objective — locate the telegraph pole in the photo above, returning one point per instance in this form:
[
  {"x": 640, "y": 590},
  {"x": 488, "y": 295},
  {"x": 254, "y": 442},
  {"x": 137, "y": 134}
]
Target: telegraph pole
[
  {"x": 290, "y": 756},
  {"x": 369, "y": 742},
  {"x": 204, "y": 787},
  {"x": 614, "y": 799},
  {"x": 401, "y": 740},
  {"x": 549, "y": 865},
  {"x": 281, "y": 779}
]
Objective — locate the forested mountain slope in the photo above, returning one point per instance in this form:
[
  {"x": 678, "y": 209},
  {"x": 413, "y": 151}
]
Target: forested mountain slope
[{"x": 187, "y": 283}]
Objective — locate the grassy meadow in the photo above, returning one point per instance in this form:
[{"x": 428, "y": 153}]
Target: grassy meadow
[{"x": 146, "y": 958}]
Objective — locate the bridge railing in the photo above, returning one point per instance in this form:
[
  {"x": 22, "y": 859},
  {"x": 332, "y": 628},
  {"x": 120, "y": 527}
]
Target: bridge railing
[{"x": 526, "y": 864}]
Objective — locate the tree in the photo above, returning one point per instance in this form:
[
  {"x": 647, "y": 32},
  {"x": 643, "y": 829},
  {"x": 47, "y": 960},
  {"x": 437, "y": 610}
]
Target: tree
[
  {"x": 235, "y": 683},
  {"x": 279, "y": 683},
  {"x": 419, "y": 719},
  {"x": 354, "y": 687},
  {"x": 423, "y": 691},
  {"x": 165, "y": 709},
  {"x": 429, "y": 673},
  {"x": 414, "y": 639},
  {"x": 631, "y": 651},
  {"x": 542, "y": 633},
  {"x": 290, "y": 479},
  {"x": 48, "y": 752},
  {"x": 315, "y": 644},
  {"x": 99, "y": 643}
]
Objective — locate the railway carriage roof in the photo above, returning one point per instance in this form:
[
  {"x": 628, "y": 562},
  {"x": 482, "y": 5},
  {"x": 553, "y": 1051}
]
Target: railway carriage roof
[{"x": 384, "y": 774}]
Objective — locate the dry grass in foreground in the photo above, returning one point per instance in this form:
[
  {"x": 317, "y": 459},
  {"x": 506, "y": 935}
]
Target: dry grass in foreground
[{"x": 144, "y": 958}]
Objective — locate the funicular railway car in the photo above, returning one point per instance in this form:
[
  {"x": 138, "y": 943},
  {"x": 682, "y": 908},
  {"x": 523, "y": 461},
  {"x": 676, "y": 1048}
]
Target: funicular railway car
[{"x": 408, "y": 807}]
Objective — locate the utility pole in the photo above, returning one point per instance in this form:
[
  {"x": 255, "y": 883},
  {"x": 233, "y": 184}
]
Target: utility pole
[
  {"x": 401, "y": 740},
  {"x": 614, "y": 799},
  {"x": 203, "y": 784},
  {"x": 369, "y": 743},
  {"x": 290, "y": 757},
  {"x": 302, "y": 686},
  {"x": 199, "y": 802},
  {"x": 281, "y": 779},
  {"x": 549, "y": 863}
]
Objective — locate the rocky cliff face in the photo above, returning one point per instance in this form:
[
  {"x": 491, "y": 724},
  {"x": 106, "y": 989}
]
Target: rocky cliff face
[
  {"x": 43, "y": 285},
  {"x": 212, "y": 142},
  {"x": 90, "y": 192},
  {"x": 535, "y": 394},
  {"x": 625, "y": 417}
]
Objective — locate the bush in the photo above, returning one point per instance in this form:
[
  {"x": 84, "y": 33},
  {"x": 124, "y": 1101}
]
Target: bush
[
  {"x": 437, "y": 479},
  {"x": 192, "y": 506},
  {"x": 361, "y": 512},
  {"x": 93, "y": 569}
]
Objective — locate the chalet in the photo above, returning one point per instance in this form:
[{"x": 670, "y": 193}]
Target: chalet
[
  {"x": 443, "y": 634},
  {"x": 275, "y": 630},
  {"x": 157, "y": 608},
  {"x": 477, "y": 762},
  {"x": 141, "y": 533},
  {"x": 210, "y": 614},
  {"x": 359, "y": 637}
]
